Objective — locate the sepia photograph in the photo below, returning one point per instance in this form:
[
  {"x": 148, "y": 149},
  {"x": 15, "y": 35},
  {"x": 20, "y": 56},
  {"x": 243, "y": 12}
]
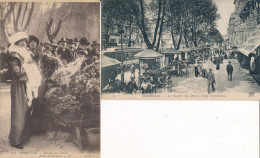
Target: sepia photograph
[
  {"x": 180, "y": 49},
  {"x": 50, "y": 79}
]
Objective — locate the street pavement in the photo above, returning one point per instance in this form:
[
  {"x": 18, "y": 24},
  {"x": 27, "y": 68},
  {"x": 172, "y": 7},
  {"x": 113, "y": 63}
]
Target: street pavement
[
  {"x": 242, "y": 81},
  {"x": 38, "y": 144}
]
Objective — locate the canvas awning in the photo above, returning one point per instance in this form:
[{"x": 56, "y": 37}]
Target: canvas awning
[
  {"x": 107, "y": 61},
  {"x": 251, "y": 43},
  {"x": 130, "y": 62},
  {"x": 170, "y": 51},
  {"x": 148, "y": 54}
]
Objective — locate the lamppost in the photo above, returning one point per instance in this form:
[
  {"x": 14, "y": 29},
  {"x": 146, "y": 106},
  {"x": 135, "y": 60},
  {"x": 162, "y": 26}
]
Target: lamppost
[{"x": 121, "y": 31}]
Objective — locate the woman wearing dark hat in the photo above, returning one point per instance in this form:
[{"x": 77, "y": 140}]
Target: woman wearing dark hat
[
  {"x": 26, "y": 79},
  {"x": 33, "y": 46}
]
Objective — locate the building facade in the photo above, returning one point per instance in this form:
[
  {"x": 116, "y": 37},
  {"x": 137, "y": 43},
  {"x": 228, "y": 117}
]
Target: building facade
[{"x": 242, "y": 22}]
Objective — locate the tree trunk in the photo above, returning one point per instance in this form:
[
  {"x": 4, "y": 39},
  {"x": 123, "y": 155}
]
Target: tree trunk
[
  {"x": 3, "y": 36},
  {"x": 130, "y": 32},
  {"x": 161, "y": 27}
]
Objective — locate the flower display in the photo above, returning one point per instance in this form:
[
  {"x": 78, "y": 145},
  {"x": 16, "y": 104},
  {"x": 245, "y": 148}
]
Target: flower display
[
  {"x": 49, "y": 64},
  {"x": 76, "y": 92}
]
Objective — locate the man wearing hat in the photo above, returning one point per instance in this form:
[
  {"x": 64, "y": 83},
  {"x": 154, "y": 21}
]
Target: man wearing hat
[
  {"x": 76, "y": 43},
  {"x": 54, "y": 49},
  {"x": 229, "y": 69},
  {"x": 82, "y": 50},
  {"x": 64, "y": 52},
  {"x": 211, "y": 80},
  {"x": 94, "y": 51},
  {"x": 71, "y": 47}
]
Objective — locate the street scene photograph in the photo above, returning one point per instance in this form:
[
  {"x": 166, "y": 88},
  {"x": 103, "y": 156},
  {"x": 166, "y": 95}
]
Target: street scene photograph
[
  {"x": 50, "y": 79},
  {"x": 184, "y": 49}
]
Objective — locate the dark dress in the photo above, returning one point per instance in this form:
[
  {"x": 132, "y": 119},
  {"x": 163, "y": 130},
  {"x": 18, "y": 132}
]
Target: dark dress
[
  {"x": 20, "y": 111},
  {"x": 196, "y": 71}
]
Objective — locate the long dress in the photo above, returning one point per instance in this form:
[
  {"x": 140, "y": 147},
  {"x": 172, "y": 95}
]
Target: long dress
[{"x": 20, "y": 111}]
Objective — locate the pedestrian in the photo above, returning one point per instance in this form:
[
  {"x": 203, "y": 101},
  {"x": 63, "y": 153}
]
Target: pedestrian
[
  {"x": 179, "y": 69},
  {"x": 25, "y": 78},
  {"x": 252, "y": 65},
  {"x": 132, "y": 71},
  {"x": 204, "y": 70},
  {"x": 196, "y": 69},
  {"x": 217, "y": 64},
  {"x": 211, "y": 80},
  {"x": 187, "y": 73},
  {"x": 229, "y": 71}
]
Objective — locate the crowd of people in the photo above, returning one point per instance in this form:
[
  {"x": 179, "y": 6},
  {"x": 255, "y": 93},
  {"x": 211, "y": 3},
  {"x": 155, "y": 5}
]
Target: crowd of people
[
  {"x": 21, "y": 61},
  {"x": 67, "y": 50}
]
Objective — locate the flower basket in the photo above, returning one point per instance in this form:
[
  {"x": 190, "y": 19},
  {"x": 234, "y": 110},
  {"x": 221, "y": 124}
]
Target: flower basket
[{"x": 93, "y": 138}]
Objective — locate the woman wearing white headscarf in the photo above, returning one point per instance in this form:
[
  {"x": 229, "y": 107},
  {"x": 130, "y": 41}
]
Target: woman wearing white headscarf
[{"x": 26, "y": 79}]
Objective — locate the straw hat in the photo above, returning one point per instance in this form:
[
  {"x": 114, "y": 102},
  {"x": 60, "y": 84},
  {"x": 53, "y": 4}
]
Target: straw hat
[{"x": 17, "y": 37}]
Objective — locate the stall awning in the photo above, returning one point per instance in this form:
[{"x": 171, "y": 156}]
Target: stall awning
[
  {"x": 251, "y": 43},
  {"x": 130, "y": 62},
  {"x": 107, "y": 61},
  {"x": 148, "y": 54},
  {"x": 170, "y": 51}
]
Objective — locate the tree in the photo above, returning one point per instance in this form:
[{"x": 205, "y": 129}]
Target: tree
[
  {"x": 6, "y": 10},
  {"x": 214, "y": 36},
  {"x": 175, "y": 21},
  {"x": 139, "y": 9},
  {"x": 17, "y": 15},
  {"x": 202, "y": 16},
  {"x": 190, "y": 20},
  {"x": 22, "y": 14},
  {"x": 116, "y": 15},
  {"x": 61, "y": 13}
]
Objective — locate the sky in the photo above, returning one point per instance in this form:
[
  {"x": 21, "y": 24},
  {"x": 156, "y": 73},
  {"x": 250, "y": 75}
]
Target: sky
[{"x": 225, "y": 8}]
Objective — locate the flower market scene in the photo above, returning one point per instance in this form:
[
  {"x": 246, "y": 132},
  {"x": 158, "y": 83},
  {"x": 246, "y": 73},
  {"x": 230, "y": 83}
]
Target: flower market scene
[
  {"x": 50, "y": 79},
  {"x": 179, "y": 47}
]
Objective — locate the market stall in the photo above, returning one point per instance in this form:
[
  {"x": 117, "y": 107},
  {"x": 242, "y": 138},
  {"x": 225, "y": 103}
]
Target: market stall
[
  {"x": 149, "y": 60},
  {"x": 109, "y": 68}
]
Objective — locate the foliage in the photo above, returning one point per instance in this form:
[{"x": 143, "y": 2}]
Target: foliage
[
  {"x": 192, "y": 20},
  {"x": 85, "y": 83},
  {"x": 16, "y": 14},
  {"x": 63, "y": 106},
  {"x": 62, "y": 76},
  {"x": 76, "y": 92},
  {"x": 49, "y": 64},
  {"x": 187, "y": 20}
]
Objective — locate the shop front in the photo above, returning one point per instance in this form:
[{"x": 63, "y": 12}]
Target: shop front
[{"x": 249, "y": 52}]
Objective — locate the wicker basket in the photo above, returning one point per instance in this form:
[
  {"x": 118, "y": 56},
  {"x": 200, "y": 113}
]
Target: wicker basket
[{"x": 93, "y": 138}]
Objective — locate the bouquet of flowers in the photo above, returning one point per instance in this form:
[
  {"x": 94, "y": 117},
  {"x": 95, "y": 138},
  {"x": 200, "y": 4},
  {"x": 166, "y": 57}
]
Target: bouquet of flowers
[
  {"x": 64, "y": 107},
  {"x": 85, "y": 84},
  {"x": 49, "y": 64},
  {"x": 76, "y": 91}
]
